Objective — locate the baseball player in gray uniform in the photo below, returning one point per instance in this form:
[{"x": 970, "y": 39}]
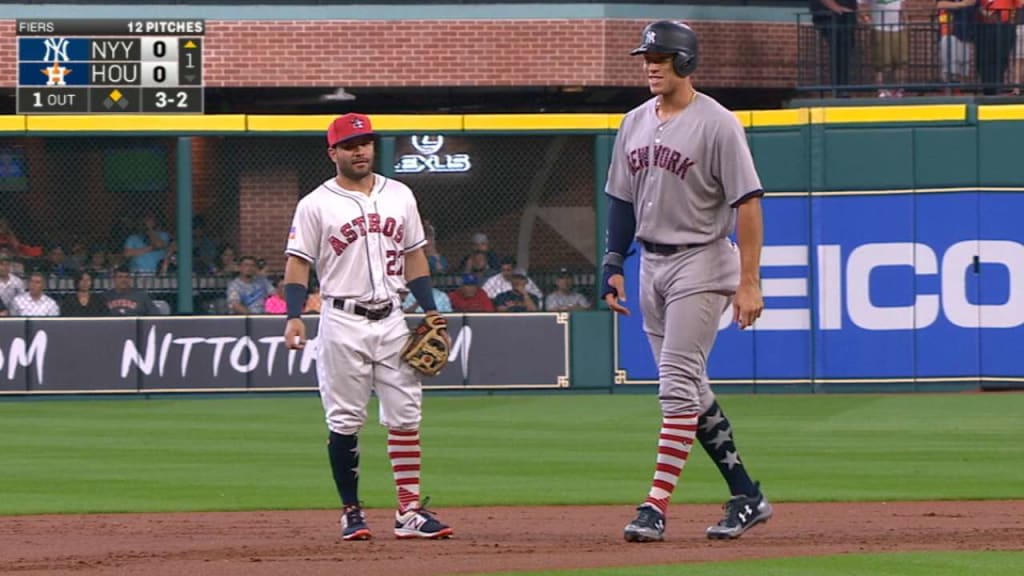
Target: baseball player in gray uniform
[
  {"x": 681, "y": 179},
  {"x": 363, "y": 231}
]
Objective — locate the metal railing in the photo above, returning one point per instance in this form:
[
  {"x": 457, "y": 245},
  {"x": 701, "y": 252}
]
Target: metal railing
[{"x": 928, "y": 53}]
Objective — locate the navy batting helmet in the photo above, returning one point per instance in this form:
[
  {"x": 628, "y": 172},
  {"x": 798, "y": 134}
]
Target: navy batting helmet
[{"x": 671, "y": 37}]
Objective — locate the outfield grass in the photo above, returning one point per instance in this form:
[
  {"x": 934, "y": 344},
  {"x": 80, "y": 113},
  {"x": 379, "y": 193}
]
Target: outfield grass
[
  {"x": 269, "y": 452},
  {"x": 916, "y": 564}
]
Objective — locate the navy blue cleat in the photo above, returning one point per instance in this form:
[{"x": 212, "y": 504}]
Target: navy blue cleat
[
  {"x": 648, "y": 526},
  {"x": 353, "y": 524},
  {"x": 741, "y": 514},
  {"x": 418, "y": 522}
]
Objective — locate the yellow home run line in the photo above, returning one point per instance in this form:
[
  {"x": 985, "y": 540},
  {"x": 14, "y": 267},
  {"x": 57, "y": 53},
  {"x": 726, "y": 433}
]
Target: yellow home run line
[{"x": 317, "y": 123}]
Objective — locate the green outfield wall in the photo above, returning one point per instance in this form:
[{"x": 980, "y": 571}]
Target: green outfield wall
[{"x": 893, "y": 254}]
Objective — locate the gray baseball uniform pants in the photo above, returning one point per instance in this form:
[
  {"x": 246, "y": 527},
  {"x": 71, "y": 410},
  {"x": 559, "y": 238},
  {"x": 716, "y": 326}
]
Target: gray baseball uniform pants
[{"x": 683, "y": 297}]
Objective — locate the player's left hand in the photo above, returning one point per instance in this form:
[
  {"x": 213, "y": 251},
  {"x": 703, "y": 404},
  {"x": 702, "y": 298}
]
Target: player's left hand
[
  {"x": 616, "y": 293},
  {"x": 747, "y": 305}
]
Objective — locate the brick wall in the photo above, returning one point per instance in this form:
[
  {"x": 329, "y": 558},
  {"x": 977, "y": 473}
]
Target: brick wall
[
  {"x": 466, "y": 53},
  {"x": 265, "y": 205}
]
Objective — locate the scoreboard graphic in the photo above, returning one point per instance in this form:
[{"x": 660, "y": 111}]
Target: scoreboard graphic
[{"x": 110, "y": 66}]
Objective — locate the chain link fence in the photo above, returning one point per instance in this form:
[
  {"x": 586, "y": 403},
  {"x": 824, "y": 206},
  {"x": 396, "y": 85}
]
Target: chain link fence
[{"x": 95, "y": 204}]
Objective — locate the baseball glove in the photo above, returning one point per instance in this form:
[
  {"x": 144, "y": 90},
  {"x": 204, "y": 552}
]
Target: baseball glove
[{"x": 428, "y": 346}]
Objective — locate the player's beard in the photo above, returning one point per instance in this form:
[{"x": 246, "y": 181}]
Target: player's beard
[{"x": 350, "y": 172}]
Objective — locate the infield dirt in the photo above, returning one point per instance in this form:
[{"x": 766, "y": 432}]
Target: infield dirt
[{"x": 486, "y": 539}]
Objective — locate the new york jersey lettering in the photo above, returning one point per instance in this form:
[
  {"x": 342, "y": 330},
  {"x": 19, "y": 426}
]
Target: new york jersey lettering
[{"x": 664, "y": 157}]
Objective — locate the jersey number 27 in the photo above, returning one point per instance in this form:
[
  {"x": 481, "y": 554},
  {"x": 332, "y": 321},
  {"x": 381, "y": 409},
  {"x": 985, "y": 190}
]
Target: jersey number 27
[{"x": 396, "y": 262}]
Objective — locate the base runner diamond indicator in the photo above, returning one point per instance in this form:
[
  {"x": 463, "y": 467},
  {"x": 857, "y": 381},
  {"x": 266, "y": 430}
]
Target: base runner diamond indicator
[{"x": 115, "y": 97}]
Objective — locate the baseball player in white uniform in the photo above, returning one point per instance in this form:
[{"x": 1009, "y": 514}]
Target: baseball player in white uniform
[
  {"x": 364, "y": 234},
  {"x": 681, "y": 179}
]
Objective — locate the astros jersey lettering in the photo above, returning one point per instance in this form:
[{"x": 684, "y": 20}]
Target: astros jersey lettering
[
  {"x": 684, "y": 175},
  {"x": 358, "y": 242}
]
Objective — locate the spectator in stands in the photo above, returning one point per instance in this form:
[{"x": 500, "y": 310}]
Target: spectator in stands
[
  {"x": 275, "y": 302},
  {"x": 480, "y": 243},
  {"x": 35, "y": 302},
  {"x": 8, "y": 239},
  {"x": 4, "y": 312},
  {"x": 97, "y": 264},
  {"x": 564, "y": 298},
  {"x": 476, "y": 264},
  {"x": 125, "y": 300},
  {"x": 836, "y": 21},
  {"x": 411, "y": 306},
  {"x": 890, "y": 44},
  {"x": 204, "y": 249},
  {"x": 248, "y": 293},
  {"x": 518, "y": 297},
  {"x": 438, "y": 263},
  {"x": 83, "y": 302},
  {"x": 995, "y": 40},
  {"x": 79, "y": 257},
  {"x": 263, "y": 268},
  {"x": 956, "y": 35},
  {"x": 57, "y": 264},
  {"x": 227, "y": 261},
  {"x": 468, "y": 297},
  {"x": 9, "y": 243},
  {"x": 10, "y": 284},
  {"x": 312, "y": 300},
  {"x": 503, "y": 282},
  {"x": 147, "y": 247},
  {"x": 115, "y": 260}
]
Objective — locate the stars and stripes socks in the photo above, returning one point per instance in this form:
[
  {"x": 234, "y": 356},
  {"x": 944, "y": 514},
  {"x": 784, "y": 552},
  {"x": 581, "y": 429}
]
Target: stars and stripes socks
[
  {"x": 343, "y": 451},
  {"x": 715, "y": 435},
  {"x": 404, "y": 453},
  {"x": 674, "y": 443}
]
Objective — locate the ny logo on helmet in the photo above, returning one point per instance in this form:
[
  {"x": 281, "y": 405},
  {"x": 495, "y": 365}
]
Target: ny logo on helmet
[{"x": 649, "y": 37}]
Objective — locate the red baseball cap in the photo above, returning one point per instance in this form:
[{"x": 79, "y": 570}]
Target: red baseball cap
[{"x": 347, "y": 127}]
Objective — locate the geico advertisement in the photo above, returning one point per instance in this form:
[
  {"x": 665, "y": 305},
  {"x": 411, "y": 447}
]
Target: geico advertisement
[{"x": 898, "y": 286}]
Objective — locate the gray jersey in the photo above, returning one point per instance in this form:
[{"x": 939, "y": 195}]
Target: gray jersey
[{"x": 685, "y": 175}]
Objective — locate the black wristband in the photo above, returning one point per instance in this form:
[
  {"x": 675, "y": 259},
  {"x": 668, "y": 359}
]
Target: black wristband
[
  {"x": 607, "y": 271},
  {"x": 423, "y": 291},
  {"x": 295, "y": 298}
]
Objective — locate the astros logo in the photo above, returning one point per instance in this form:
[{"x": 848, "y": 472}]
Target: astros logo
[{"x": 56, "y": 74}]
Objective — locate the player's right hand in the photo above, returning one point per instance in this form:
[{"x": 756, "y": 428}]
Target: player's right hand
[
  {"x": 295, "y": 334},
  {"x": 618, "y": 283}
]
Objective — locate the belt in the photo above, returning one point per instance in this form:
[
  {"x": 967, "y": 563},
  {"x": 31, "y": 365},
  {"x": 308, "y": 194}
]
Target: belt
[
  {"x": 369, "y": 313},
  {"x": 668, "y": 248}
]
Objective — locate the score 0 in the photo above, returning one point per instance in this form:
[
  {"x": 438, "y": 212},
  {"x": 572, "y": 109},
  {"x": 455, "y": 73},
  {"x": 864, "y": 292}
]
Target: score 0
[{"x": 159, "y": 61}]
